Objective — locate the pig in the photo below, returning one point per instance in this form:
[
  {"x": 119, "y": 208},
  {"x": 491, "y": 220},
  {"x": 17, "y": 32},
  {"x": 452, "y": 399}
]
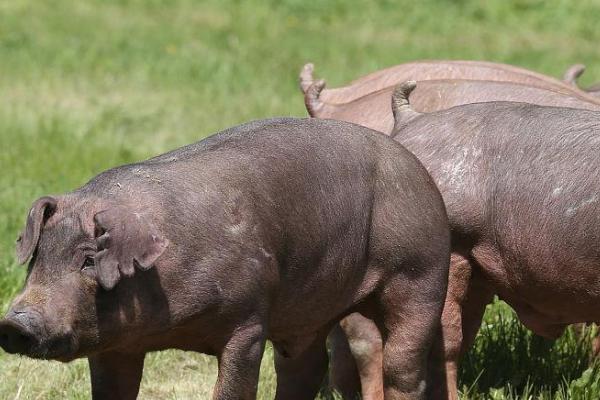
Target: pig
[
  {"x": 429, "y": 70},
  {"x": 573, "y": 73},
  {"x": 520, "y": 183},
  {"x": 274, "y": 229},
  {"x": 594, "y": 90},
  {"x": 373, "y": 110}
]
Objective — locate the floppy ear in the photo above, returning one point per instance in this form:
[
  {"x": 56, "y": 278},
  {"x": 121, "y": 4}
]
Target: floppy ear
[
  {"x": 124, "y": 239},
  {"x": 27, "y": 241}
]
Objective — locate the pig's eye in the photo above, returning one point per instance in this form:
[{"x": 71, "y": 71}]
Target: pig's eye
[{"x": 88, "y": 263}]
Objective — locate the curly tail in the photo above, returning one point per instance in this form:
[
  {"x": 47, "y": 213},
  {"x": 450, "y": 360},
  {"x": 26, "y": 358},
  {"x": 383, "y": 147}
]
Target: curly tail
[
  {"x": 311, "y": 98},
  {"x": 573, "y": 73},
  {"x": 401, "y": 108},
  {"x": 306, "y": 77}
]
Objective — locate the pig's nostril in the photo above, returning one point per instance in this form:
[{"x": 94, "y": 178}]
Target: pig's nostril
[
  {"x": 15, "y": 339},
  {"x": 19, "y": 343}
]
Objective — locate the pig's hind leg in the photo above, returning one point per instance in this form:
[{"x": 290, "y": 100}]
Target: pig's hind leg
[
  {"x": 465, "y": 304},
  {"x": 363, "y": 353},
  {"x": 408, "y": 317},
  {"x": 300, "y": 377},
  {"x": 343, "y": 371}
]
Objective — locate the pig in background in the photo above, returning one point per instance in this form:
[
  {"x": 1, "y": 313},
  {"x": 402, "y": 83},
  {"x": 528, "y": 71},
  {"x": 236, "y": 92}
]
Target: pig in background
[
  {"x": 372, "y": 110},
  {"x": 520, "y": 185},
  {"x": 428, "y": 70},
  {"x": 442, "y": 85},
  {"x": 523, "y": 208},
  {"x": 573, "y": 73},
  {"x": 368, "y": 105},
  {"x": 274, "y": 230}
]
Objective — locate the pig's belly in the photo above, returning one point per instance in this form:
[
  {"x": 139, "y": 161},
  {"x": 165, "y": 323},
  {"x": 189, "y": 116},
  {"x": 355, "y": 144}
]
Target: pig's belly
[{"x": 547, "y": 294}]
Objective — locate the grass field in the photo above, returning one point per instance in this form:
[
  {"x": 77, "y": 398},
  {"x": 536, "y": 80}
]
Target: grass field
[{"x": 91, "y": 84}]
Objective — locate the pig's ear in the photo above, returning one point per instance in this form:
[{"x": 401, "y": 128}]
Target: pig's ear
[
  {"x": 41, "y": 210},
  {"x": 124, "y": 239}
]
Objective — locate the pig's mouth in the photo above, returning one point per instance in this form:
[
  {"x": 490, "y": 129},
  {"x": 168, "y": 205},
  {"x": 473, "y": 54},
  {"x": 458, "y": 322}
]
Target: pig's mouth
[
  {"x": 61, "y": 349},
  {"x": 17, "y": 339}
]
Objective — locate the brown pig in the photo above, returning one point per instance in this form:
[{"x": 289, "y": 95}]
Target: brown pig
[
  {"x": 274, "y": 230},
  {"x": 520, "y": 182},
  {"x": 428, "y": 70},
  {"x": 573, "y": 73},
  {"x": 373, "y": 110}
]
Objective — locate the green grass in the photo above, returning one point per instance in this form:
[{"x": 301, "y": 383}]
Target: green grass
[{"x": 89, "y": 85}]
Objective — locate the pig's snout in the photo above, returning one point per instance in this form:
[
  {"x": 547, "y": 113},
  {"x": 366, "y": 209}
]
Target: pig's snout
[{"x": 17, "y": 332}]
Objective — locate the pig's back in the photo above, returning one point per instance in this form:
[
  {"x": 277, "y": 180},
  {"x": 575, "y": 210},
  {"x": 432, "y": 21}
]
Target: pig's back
[
  {"x": 546, "y": 186},
  {"x": 523, "y": 177},
  {"x": 319, "y": 177},
  {"x": 311, "y": 181},
  {"x": 318, "y": 196}
]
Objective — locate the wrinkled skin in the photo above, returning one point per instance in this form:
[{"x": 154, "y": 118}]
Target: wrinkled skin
[
  {"x": 373, "y": 110},
  {"x": 573, "y": 73},
  {"x": 428, "y": 70},
  {"x": 272, "y": 230},
  {"x": 522, "y": 200}
]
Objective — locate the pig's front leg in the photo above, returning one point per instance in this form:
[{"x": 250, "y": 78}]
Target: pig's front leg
[
  {"x": 116, "y": 375},
  {"x": 239, "y": 364}
]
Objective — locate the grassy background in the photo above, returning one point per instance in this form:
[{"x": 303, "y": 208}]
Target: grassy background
[{"x": 89, "y": 85}]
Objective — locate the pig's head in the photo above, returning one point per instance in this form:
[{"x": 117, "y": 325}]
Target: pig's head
[{"x": 73, "y": 303}]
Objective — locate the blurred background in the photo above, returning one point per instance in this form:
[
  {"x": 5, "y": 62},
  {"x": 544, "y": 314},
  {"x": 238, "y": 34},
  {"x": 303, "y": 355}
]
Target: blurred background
[{"x": 86, "y": 85}]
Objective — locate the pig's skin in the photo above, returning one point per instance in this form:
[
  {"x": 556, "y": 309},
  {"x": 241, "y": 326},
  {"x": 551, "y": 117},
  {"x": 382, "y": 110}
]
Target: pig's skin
[
  {"x": 431, "y": 70},
  {"x": 373, "y": 110},
  {"x": 520, "y": 183},
  {"x": 271, "y": 230},
  {"x": 521, "y": 186},
  {"x": 594, "y": 90}
]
